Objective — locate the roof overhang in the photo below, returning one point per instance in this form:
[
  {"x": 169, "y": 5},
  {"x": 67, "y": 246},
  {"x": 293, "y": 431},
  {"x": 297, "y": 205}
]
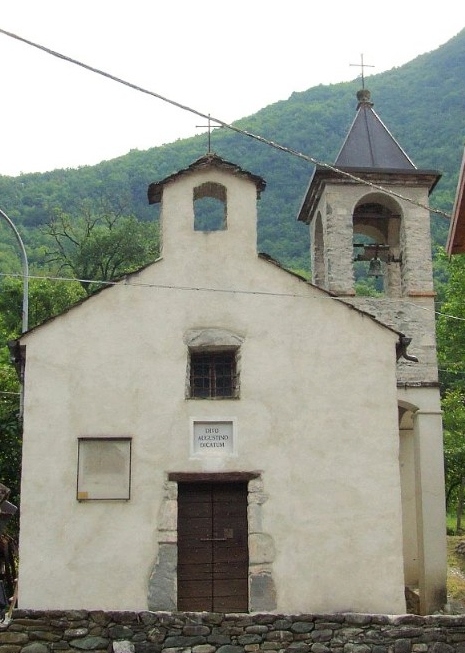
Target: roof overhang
[
  {"x": 155, "y": 190},
  {"x": 382, "y": 177},
  {"x": 456, "y": 238}
]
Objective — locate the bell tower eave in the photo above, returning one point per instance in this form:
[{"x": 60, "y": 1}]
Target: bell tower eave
[{"x": 384, "y": 177}]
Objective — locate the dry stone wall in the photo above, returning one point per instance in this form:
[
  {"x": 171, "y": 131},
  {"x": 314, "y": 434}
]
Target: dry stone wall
[{"x": 156, "y": 632}]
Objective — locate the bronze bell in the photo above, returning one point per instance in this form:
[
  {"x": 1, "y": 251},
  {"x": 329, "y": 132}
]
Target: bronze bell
[{"x": 375, "y": 269}]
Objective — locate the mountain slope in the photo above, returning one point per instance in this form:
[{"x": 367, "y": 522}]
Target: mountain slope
[{"x": 422, "y": 103}]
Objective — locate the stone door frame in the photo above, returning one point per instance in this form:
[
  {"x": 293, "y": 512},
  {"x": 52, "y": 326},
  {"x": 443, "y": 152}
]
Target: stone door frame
[{"x": 162, "y": 589}]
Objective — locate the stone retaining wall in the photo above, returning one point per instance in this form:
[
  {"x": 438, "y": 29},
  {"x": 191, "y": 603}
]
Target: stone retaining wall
[{"x": 153, "y": 632}]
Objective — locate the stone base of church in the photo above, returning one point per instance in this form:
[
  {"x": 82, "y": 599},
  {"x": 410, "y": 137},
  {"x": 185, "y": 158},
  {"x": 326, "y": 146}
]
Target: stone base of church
[{"x": 152, "y": 632}]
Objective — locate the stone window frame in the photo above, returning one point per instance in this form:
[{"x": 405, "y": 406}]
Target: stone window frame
[
  {"x": 214, "y": 341},
  {"x": 213, "y": 374}
]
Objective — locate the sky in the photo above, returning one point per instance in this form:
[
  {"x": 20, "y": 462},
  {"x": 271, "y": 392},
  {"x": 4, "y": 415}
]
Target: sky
[{"x": 227, "y": 59}]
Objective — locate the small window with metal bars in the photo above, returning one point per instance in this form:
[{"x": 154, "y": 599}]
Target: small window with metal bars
[{"x": 213, "y": 375}]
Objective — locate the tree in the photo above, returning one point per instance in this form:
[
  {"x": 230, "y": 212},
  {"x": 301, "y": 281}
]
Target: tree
[
  {"x": 46, "y": 299},
  {"x": 451, "y": 355},
  {"x": 93, "y": 247},
  {"x": 451, "y": 325},
  {"x": 100, "y": 246},
  {"x": 10, "y": 431}
]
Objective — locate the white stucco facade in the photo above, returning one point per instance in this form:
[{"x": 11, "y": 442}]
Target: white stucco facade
[{"x": 315, "y": 421}]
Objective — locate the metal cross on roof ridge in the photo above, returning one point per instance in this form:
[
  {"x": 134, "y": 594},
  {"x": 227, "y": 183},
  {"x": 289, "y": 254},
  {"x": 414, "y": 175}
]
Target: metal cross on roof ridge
[
  {"x": 362, "y": 65},
  {"x": 210, "y": 128}
]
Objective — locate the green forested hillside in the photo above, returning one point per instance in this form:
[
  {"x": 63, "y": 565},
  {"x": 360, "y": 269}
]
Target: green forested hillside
[{"x": 422, "y": 103}]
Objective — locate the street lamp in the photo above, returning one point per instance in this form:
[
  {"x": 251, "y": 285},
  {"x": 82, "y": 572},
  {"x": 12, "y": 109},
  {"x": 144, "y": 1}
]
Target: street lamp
[{"x": 25, "y": 271}]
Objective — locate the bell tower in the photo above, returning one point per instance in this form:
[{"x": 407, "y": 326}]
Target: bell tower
[{"x": 368, "y": 215}]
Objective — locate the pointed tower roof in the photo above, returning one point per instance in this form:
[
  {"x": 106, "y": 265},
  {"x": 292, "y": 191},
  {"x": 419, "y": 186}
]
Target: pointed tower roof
[
  {"x": 369, "y": 143},
  {"x": 369, "y": 153}
]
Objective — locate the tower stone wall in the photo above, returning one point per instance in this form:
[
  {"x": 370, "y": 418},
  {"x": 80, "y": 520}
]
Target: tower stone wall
[{"x": 407, "y": 304}]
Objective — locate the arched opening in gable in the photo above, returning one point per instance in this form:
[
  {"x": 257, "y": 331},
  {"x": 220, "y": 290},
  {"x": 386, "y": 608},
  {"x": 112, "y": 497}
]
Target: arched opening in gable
[{"x": 210, "y": 207}]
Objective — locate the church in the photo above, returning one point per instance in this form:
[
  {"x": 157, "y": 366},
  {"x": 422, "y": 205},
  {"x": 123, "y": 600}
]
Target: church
[{"x": 215, "y": 433}]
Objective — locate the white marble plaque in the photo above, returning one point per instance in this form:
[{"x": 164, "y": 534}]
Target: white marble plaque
[{"x": 213, "y": 437}]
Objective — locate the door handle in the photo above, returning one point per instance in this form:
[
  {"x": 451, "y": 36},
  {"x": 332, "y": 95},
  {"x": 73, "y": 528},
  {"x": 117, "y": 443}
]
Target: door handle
[
  {"x": 228, "y": 535},
  {"x": 213, "y": 539}
]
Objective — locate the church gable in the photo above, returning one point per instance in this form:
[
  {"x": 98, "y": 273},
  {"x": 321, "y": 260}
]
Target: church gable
[
  {"x": 211, "y": 386},
  {"x": 230, "y": 413}
]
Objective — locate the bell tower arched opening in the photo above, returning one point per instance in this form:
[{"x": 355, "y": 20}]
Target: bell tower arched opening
[{"x": 377, "y": 227}]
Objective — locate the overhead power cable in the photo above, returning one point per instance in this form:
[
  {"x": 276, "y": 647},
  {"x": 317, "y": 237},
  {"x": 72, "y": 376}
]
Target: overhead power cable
[
  {"x": 126, "y": 282},
  {"x": 261, "y": 139}
]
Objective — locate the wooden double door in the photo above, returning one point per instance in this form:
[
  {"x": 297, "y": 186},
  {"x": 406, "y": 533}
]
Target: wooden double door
[{"x": 213, "y": 559}]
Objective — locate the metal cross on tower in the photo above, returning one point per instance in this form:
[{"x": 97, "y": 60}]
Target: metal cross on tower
[
  {"x": 210, "y": 128},
  {"x": 362, "y": 65}
]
